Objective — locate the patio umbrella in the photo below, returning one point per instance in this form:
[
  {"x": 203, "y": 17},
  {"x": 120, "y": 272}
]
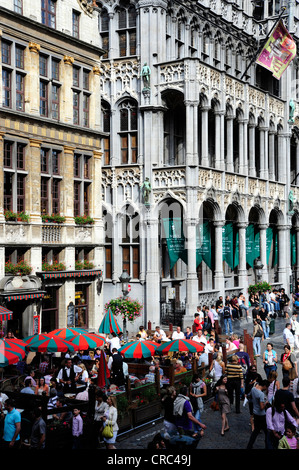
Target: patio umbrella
[
  {"x": 67, "y": 333},
  {"x": 138, "y": 349},
  {"x": 180, "y": 345},
  {"x": 39, "y": 337},
  {"x": 85, "y": 341},
  {"x": 103, "y": 372},
  {"x": 109, "y": 324},
  {"x": 5, "y": 314},
  {"x": 10, "y": 353},
  {"x": 51, "y": 344}
]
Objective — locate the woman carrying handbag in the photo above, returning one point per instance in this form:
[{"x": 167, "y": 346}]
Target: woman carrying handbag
[
  {"x": 110, "y": 422},
  {"x": 289, "y": 364}
]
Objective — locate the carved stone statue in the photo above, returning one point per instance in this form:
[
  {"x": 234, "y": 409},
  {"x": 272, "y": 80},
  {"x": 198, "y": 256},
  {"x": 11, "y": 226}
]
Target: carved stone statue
[
  {"x": 291, "y": 111},
  {"x": 145, "y": 74},
  {"x": 146, "y": 190}
]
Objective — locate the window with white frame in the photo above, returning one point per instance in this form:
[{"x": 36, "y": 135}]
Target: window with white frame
[
  {"x": 18, "y": 6},
  {"x": 13, "y": 75}
]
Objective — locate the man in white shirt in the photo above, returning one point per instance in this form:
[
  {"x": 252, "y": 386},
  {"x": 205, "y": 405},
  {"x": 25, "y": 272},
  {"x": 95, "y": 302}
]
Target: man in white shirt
[
  {"x": 178, "y": 334},
  {"x": 288, "y": 336},
  {"x": 114, "y": 342},
  {"x": 295, "y": 328},
  {"x": 200, "y": 337},
  {"x": 69, "y": 376},
  {"x": 160, "y": 335}
]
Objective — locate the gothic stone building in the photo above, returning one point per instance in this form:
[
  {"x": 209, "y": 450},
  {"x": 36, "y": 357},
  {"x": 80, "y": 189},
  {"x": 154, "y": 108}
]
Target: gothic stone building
[{"x": 176, "y": 105}]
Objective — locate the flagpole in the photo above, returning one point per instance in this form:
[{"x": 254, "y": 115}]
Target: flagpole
[{"x": 266, "y": 39}]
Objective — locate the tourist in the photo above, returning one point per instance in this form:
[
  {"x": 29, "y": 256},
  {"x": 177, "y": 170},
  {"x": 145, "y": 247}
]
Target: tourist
[
  {"x": 258, "y": 336},
  {"x": 12, "y": 426},
  {"x": 235, "y": 381},
  {"x": 160, "y": 335},
  {"x": 198, "y": 320},
  {"x": 260, "y": 402},
  {"x": 42, "y": 388},
  {"x": 269, "y": 359},
  {"x": 197, "y": 390},
  {"x": 289, "y": 440},
  {"x": 264, "y": 316},
  {"x": 242, "y": 306},
  {"x": 227, "y": 318},
  {"x": 44, "y": 365},
  {"x": 277, "y": 417},
  {"x": 252, "y": 378},
  {"x": 288, "y": 337},
  {"x": 289, "y": 363},
  {"x": 113, "y": 343},
  {"x": 285, "y": 396},
  {"x": 274, "y": 385},
  {"x": 284, "y": 303},
  {"x": 223, "y": 401},
  {"x": 100, "y": 409},
  {"x": 217, "y": 367},
  {"x": 188, "y": 333},
  {"x": 38, "y": 431},
  {"x": 178, "y": 334},
  {"x": 77, "y": 429},
  {"x": 28, "y": 389},
  {"x": 142, "y": 333},
  {"x": 31, "y": 375},
  {"x": 295, "y": 329},
  {"x": 183, "y": 413},
  {"x": 230, "y": 346},
  {"x": 169, "y": 418},
  {"x": 200, "y": 338},
  {"x": 110, "y": 418}
]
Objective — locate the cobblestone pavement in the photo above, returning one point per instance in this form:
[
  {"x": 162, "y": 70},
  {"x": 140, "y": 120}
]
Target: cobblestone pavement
[{"x": 238, "y": 435}]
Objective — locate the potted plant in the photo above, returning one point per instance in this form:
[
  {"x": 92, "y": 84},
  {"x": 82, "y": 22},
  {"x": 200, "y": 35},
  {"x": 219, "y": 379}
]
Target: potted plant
[
  {"x": 55, "y": 266},
  {"x": 21, "y": 268},
  {"x": 259, "y": 287},
  {"x": 10, "y": 216},
  {"x": 147, "y": 405},
  {"x": 83, "y": 220},
  {"x": 54, "y": 218},
  {"x": 22, "y": 217}
]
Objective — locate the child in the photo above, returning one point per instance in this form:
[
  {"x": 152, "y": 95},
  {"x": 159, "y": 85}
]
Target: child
[
  {"x": 289, "y": 440},
  {"x": 77, "y": 428}
]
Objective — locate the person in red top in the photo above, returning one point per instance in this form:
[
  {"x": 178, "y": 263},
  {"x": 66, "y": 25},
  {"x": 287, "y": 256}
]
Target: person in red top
[{"x": 197, "y": 324}]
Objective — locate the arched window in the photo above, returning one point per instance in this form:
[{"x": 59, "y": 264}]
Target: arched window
[{"x": 128, "y": 128}]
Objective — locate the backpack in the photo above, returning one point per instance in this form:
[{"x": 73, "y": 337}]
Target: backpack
[
  {"x": 243, "y": 364},
  {"x": 226, "y": 312}
]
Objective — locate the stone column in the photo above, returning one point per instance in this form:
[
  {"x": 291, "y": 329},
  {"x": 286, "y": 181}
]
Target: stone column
[
  {"x": 241, "y": 147},
  {"x": 281, "y": 158},
  {"x": 251, "y": 150},
  {"x": 263, "y": 250},
  {"x": 262, "y": 152},
  {"x": 31, "y": 57},
  {"x": 229, "y": 148},
  {"x": 204, "y": 136},
  {"x": 95, "y": 99},
  {"x": 282, "y": 255},
  {"x": 242, "y": 271},
  {"x": 219, "y": 275},
  {"x": 67, "y": 184},
  {"x": 191, "y": 282},
  {"x": 2, "y": 219},
  {"x": 152, "y": 291},
  {"x": 66, "y": 90},
  {"x": 33, "y": 181},
  {"x": 217, "y": 140}
]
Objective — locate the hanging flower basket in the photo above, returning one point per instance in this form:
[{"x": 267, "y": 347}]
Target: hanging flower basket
[
  {"x": 127, "y": 308},
  {"x": 259, "y": 287}
]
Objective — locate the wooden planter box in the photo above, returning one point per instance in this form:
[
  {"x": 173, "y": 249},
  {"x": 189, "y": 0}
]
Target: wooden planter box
[
  {"x": 124, "y": 422},
  {"x": 146, "y": 412}
]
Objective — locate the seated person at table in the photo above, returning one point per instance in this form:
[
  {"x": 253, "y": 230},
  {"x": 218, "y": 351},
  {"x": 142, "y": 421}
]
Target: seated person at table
[
  {"x": 60, "y": 415},
  {"x": 178, "y": 334},
  {"x": 151, "y": 376},
  {"x": 142, "y": 332},
  {"x": 188, "y": 334},
  {"x": 179, "y": 367},
  {"x": 160, "y": 335}
]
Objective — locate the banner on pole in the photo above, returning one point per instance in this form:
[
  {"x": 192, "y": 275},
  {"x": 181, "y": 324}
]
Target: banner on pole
[{"x": 278, "y": 52}]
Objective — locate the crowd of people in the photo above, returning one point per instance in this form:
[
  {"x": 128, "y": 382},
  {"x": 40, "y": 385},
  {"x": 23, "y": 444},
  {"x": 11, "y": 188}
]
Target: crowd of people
[{"x": 273, "y": 404}]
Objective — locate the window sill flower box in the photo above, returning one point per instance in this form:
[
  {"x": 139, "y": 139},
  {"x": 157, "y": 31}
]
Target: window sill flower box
[
  {"x": 16, "y": 216},
  {"x": 79, "y": 265},
  {"x": 21, "y": 268},
  {"x": 83, "y": 220},
  {"x": 53, "y": 219},
  {"x": 53, "y": 267}
]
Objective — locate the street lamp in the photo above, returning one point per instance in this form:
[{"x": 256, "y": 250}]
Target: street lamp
[
  {"x": 125, "y": 279},
  {"x": 258, "y": 266}
]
